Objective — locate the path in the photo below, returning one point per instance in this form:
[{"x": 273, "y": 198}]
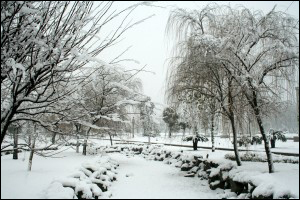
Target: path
[{"x": 153, "y": 180}]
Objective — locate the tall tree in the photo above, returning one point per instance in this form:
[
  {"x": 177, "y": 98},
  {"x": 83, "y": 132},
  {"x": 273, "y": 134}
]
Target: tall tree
[
  {"x": 44, "y": 44},
  {"x": 251, "y": 47},
  {"x": 170, "y": 117}
]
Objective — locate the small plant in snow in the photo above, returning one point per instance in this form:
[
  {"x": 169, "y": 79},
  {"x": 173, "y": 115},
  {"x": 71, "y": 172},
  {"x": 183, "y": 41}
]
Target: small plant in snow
[
  {"x": 244, "y": 141},
  {"x": 276, "y": 135},
  {"x": 256, "y": 140},
  {"x": 195, "y": 139}
]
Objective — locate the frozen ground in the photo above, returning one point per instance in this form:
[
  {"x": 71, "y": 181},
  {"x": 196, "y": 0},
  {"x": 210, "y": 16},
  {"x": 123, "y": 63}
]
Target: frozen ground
[
  {"x": 146, "y": 179},
  {"x": 156, "y": 180},
  {"x": 18, "y": 183},
  {"x": 137, "y": 178}
]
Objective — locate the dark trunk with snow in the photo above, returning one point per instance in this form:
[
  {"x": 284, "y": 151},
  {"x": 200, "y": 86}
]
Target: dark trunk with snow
[
  {"x": 195, "y": 144},
  {"x": 77, "y": 144},
  {"x": 249, "y": 128},
  {"x": 212, "y": 132},
  {"x": 53, "y": 138},
  {"x": 110, "y": 138},
  {"x": 235, "y": 147},
  {"x": 78, "y": 127},
  {"x": 32, "y": 149},
  {"x": 232, "y": 121},
  {"x": 265, "y": 139},
  {"x": 85, "y": 142},
  {"x": 15, "y": 152},
  {"x": 133, "y": 122},
  {"x": 84, "y": 147},
  {"x": 254, "y": 104},
  {"x": 170, "y": 131},
  {"x": 272, "y": 143}
]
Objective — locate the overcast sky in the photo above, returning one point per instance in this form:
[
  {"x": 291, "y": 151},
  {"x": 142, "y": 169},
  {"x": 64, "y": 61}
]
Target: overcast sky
[{"x": 151, "y": 47}]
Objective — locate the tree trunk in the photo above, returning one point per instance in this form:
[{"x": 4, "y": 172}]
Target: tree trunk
[
  {"x": 272, "y": 143},
  {"x": 16, "y": 135},
  {"x": 262, "y": 131},
  {"x": 32, "y": 149},
  {"x": 111, "y": 142},
  {"x": 31, "y": 155},
  {"x": 84, "y": 147},
  {"x": 249, "y": 128},
  {"x": 232, "y": 121},
  {"x": 85, "y": 142},
  {"x": 29, "y": 138},
  {"x": 170, "y": 131},
  {"x": 53, "y": 138},
  {"x": 212, "y": 132},
  {"x": 149, "y": 139},
  {"x": 133, "y": 121},
  {"x": 236, "y": 151},
  {"x": 77, "y": 144},
  {"x": 267, "y": 147},
  {"x": 4, "y": 130},
  {"x": 195, "y": 144},
  {"x": 77, "y": 126}
]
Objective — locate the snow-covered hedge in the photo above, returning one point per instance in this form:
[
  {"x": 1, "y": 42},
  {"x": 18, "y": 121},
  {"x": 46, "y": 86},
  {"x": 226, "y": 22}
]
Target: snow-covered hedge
[
  {"x": 93, "y": 149},
  {"x": 261, "y": 157},
  {"x": 89, "y": 182}
]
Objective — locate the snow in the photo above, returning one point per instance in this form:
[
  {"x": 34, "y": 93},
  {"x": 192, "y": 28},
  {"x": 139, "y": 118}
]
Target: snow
[
  {"x": 129, "y": 101},
  {"x": 26, "y": 10},
  {"x": 138, "y": 177},
  {"x": 92, "y": 125},
  {"x": 214, "y": 172},
  {"x": 57, "y": 191},
  {"x": 10, "y": 62},
  {"x": 285, "y": 180},
  {"x": 155, "y": 180},
  {"x": 122, "y": 86},
  {"x": 18, "y": 183}
]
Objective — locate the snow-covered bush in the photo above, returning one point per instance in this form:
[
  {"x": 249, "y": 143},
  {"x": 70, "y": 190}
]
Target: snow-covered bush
[
  {"x": 195, "y": 139},
  {"x": 200, "y": 138},
  {"x": 256, "y": 140},
  {"x": 276, "y": 135},
  {"x": 89, "y": 182},
  {"x": 244, "y": 141},
  {"x": 260, "y": 157}
]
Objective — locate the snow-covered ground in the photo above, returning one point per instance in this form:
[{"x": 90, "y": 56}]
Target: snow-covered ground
[
  {"x": 137, "y": 177},
  {"x": 146, "y": 179},
  {"x": 18, "y": 183},
  {"x": 143, "y": 179}
]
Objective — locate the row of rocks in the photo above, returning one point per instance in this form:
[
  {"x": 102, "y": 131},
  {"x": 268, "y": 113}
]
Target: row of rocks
[{"x": 220, "y": 174}]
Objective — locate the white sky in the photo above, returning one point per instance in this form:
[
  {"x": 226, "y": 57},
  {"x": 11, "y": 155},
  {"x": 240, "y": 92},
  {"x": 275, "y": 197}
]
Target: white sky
[{"x": 151, "y": 47}]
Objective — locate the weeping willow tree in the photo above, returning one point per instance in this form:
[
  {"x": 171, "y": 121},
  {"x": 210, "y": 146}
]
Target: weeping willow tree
[
  {"x": 237, "y": 52},
  {"x": 197, "y": 80}
]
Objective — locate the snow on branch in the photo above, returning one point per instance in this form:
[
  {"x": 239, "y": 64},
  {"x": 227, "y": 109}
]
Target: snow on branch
[{"x": 91, "y": 125}]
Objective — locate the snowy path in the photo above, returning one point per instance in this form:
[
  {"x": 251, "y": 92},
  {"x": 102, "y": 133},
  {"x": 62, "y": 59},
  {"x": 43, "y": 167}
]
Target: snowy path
[{"x": 154, "y": 180}]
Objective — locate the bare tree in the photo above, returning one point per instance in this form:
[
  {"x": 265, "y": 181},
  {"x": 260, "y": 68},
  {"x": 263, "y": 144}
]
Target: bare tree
[
  {"x": 101, "y": 102},
  {"x": 43, "y": 45}
]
